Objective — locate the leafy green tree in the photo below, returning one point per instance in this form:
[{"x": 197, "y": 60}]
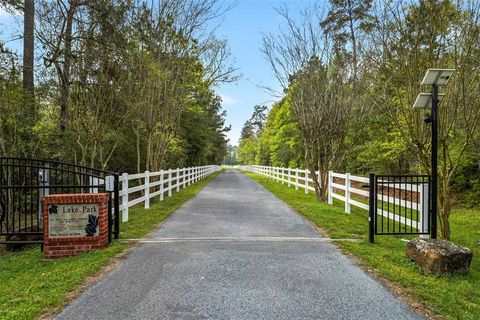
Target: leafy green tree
[
  {"x": 420, "y": 36},
  {"x": 346, "y": 19}
]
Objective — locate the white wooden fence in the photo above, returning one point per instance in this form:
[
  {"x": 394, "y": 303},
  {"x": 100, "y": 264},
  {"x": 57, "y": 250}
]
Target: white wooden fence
[
  {"x": 141, "y": 187},
  {"x": 348, "y": 190},
  {"x": 299, "y": 178},
  {"x": 352, "y": 195}
]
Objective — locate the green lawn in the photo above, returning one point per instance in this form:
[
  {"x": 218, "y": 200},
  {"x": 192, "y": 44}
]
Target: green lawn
[
  {"x": 29, "y": 286},
  {"x": 450, "y": 297}
]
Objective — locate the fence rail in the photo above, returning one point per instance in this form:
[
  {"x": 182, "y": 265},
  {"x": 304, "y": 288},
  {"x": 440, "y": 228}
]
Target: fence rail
[
  {"x": 141, "y": 187},
  {"x": 354, "y": 191},
  {"x": 299, "y": 178}
]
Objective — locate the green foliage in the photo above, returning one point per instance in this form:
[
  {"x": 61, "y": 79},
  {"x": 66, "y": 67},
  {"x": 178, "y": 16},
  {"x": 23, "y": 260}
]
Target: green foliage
[
  {"x": 128, "y": 87},
  {"x": 277, "y": 143},
  {"x": 15, "y": 118},
  {"x": 231, "y": 158},
  {"x": 203, "y": 132}
]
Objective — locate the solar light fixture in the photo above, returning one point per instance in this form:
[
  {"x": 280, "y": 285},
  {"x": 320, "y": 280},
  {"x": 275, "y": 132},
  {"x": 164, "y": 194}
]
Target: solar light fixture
[
  {"x": 424, "y": 100},
  {"x": 439, "y": 77}
]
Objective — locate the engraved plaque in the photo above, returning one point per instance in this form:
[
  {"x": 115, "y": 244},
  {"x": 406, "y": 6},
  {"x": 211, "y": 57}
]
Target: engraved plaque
[{"x": 73, "y": 220}]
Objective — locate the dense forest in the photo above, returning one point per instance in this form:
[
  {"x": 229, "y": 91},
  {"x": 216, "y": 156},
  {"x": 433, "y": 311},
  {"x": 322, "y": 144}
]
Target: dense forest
[
  {"x": 123, "y": 85},
  {"x": 350, "y": 76}
]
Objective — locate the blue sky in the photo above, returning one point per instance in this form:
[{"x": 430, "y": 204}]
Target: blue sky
[{"x": 243, "y": 26}]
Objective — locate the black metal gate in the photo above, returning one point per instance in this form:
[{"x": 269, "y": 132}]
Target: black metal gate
[
  {"x": 23, "y": 183},
  {"x": 399, "y": 205}
]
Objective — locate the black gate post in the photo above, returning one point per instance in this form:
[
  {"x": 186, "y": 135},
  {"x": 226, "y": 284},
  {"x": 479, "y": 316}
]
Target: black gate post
[
  {"x": 116, "y": 208},
  {"x": 110, "y": 221},
  {"x": 433, "y": 229},
  {"x": 371, "y": 209}
]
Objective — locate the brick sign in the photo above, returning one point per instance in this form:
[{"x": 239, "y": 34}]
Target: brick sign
[
  {"x": 73, "y": 220},
  {"x": 74, "y": 223}
]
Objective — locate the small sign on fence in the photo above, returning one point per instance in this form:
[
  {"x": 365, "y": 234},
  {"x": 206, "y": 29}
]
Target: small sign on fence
[{"x": 110, "y": 183}]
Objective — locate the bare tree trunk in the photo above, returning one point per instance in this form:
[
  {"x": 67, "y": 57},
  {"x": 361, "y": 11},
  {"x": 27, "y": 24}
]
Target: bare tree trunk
[
  {"x": 139, "y": 155},
  {"x": 65, "y": 73},
  {"x": 28, "y": 54},
  {"x": 354, "y": 40},
  {"x": 445, "y": 209},
  {"x": 319, "y": 191}
]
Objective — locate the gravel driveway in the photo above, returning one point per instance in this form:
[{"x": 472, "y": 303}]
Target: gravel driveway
[{"x": 235, "y": 251}]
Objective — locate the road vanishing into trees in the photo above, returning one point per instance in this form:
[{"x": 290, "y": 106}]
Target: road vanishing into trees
[{"x": 235, "y": 251}]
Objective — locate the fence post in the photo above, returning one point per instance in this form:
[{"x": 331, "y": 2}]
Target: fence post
[
  {"x": 306, "y": 181},
  {"x": 189, "y": 176},
  {"x": 178, "y": 179},
  {"x": 288, "y": 177},
  {"x": 424, "y": 209},
  {"x": 330, "y": 187},
  {"x": 347, "y": 192},
  {"x": 184, "y": 177},
  {"x": 125, "y": 197},
  {"x": 116, "y": 206},
  {"x": 169, "y": 182},
  {"x": 282, "y": 175},
  {"x": 296, "y": 179},
  {"x": 44, "y": 179},
  {"x": 371, "y": 209},
  {"x": 147, "y": 190},
  {"x": 161, "y": 184}
]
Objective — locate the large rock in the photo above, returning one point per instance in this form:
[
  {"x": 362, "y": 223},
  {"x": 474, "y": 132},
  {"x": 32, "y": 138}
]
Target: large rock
[{"x": 440, "y": 257}]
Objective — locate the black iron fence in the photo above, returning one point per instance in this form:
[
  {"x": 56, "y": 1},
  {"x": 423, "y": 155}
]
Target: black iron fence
[
  {"x": 399, "y": 205},
  {"x": 23, "y": 183}
]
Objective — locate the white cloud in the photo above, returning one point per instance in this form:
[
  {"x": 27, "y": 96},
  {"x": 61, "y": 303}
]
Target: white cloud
[{"x": 228, "y": 101}]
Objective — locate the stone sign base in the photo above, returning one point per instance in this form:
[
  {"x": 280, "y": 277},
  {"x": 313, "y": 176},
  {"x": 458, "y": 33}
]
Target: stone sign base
[{"x": 74, "y": 223}]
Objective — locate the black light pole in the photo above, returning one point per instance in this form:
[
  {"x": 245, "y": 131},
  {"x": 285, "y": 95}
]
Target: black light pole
[
  {"x": 435, "y": 77},
  {"x": 434, "y": 173}
]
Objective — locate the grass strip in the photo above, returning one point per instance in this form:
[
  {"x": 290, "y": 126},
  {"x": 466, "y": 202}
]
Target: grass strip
[
  {"x": 455, "y": 297},
  {"x": 30, "y": 286}
]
